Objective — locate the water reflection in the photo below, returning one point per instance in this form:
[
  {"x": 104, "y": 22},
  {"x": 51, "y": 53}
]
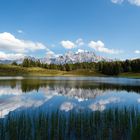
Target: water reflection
[
  {"x": 101, "y": 104},
  {"x": 28, "y": 85},
  {"x": 67, "y": 93}
]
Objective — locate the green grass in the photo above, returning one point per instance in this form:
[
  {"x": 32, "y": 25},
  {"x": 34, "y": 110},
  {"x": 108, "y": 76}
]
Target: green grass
[
  {"x": 11, "y": 70},
  {"x": 130, "y": 75}
]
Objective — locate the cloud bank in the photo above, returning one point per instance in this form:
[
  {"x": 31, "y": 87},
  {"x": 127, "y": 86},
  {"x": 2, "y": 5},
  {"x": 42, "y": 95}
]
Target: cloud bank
[
  {"x": 137, "y": 51},
  {"x": 10, "y": 56},
  {"x": 67, "y": 44},
  {"x": 11, "y": 43},
  {"x": 117, "y": 1},
  {"x": 134, "y": 2},
  {"x": 100, "y": 47},
  {"x": 97, "y": 46}
]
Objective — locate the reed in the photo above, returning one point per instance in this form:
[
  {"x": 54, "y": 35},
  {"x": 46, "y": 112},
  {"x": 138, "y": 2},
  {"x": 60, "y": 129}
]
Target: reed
[{"x": 112, "y": 124}]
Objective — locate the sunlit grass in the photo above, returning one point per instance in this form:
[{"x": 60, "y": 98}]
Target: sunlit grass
[{"x": 11, "y": 70}]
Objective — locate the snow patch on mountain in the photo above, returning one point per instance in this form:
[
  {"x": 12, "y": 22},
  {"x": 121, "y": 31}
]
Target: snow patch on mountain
[
  {"x": 69, "y": 57},
  {"x": 75, "y": 57}
]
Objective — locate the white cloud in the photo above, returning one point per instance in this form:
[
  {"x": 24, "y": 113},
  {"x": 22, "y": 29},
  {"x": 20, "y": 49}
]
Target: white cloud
[
  {"x": 10, "y": 56},
  {"x": 97, "y": 46},
  {"x": 100, "y": 47},
  {"x": 137, "y": 51},
  {"x": 51, "y": 54},
  {"x": 79, "y": 42},
  {"x": 48, "y": 51},
  {"x": 20, "y": 31},
  {"x": 80, "y": 51},
  {"x": 11, "y": 43},
  {"x": 134, "y": 2},
  {"x": 68, "y": 44},
  {"x": 117, "y": 1}
]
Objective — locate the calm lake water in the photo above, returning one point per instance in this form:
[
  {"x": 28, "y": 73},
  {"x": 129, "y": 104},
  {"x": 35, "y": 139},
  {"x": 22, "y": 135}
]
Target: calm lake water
[{"x": 67, "y": 93}]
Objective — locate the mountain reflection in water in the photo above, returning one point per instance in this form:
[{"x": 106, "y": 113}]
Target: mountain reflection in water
[{"x": 67, "y": 93}]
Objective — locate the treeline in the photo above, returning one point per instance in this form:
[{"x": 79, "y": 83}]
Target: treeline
[
  {"x": 117, "y": 67},
  {"x": 110, "y": 124},
  {"x": 108, "y": 68},
  {"x": 65, "y": 67}
]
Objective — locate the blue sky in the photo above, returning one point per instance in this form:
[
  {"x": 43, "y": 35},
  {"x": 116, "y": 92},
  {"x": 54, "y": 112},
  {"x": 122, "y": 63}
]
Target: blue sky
[{"x": 50, "y": 27}]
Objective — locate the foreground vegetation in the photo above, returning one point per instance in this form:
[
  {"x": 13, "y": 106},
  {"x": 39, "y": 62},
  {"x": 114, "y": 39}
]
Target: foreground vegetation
[
  {"x": 113, "y": 124},
  {"x": 12, "y": 70}
]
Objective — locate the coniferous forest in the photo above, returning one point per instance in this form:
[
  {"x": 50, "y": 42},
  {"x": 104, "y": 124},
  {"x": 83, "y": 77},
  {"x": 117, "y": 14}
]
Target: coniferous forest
[{"x": 108, "y": 68}]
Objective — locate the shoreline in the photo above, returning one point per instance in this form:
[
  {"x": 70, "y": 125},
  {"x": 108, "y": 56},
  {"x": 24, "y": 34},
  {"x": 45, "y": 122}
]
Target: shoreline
[{"x": 10, "y": 70}]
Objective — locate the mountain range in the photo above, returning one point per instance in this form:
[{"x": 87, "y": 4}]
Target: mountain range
[{"x": 68, "y": 57}]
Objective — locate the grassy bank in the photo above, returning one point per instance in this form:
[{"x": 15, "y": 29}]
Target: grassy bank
[
  {"x": 11, "y": 70},
  {"x": 130, "y": 75}
]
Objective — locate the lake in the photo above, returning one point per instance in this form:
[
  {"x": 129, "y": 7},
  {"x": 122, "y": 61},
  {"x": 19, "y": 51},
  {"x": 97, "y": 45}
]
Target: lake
[
  {"x": 39, "y": 108},
  {"x": 67, "y": 93}
]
